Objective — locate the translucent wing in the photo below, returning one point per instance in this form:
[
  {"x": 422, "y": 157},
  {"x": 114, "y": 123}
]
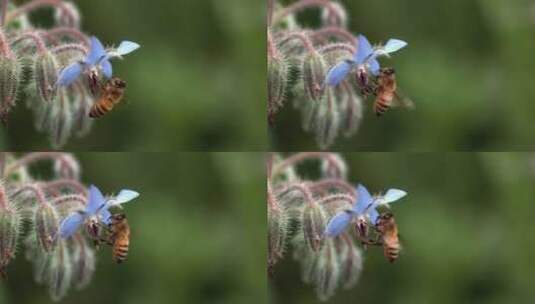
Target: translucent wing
[
  {"x": 70, "y": 74},
  {"x": 393, "y": 195},
  {"x": 338, "y": 73},
  {"x": 402, "y": 101},
  {"x": 127, "y": 47},
  {"x": 338, "y": 223},
  {"x": 394, "y": 45},
  {"x": 124, "y": 196},
  {"x": 70, "y": 224},
  {"x": 96, "y": 51},
  {"x": 106, "y": 67},
  {"x": 364, "y": 199},
  {"x": 96, "y": 200},
  {"x": 364, "y": 50}
]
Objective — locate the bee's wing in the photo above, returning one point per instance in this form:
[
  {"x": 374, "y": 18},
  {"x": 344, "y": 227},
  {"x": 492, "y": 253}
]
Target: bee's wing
[
  {"x": 394, "y": 45},
  {"x": 401, "y": 100},
  {"x": 393, "y": 195},
  {"x": 70, "y": 224},
  {"x": 339, "y": 223}
]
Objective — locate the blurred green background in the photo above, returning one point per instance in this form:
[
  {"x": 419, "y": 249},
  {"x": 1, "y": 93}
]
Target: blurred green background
[
  {"x": 198, "y": 232},
  {"x": 468, "y": 68},
  {"x": 466, "y": 228},
  {"x": 197, "y": 83}
]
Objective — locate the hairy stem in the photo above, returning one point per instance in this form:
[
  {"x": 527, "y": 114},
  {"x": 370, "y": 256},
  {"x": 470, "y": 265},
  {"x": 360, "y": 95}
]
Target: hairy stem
[
  {"x": 301, "y": 36},
  {"x": 3, "y": 198},
  {"x": 64, "y": 184},
  {"x": 31, "y": 158},
  {"x": 5, "y": 49},
  {"x": 326, "y": 184},
  {"x": 37, "y": 40},
  {"x": 70, "y": 198},
  {"x": 301, "y": 187},
  {"x": 300, "y": 157},
  {"x": 69, "y": 32},
  {"x": 35, "y": 4},
  {"x": 303, "y": 4},
  {"x": 337, "y": 197},
  {"x": 3, "y": 12},
  {"x": 37, "y": 192},
  {"x": 333, "y": 31}
]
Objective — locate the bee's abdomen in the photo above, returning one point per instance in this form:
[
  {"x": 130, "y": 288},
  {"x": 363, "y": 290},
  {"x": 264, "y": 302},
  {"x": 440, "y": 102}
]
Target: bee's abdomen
[
  {"x": 100, "y": 108},
  {"x": 381, "y": 106},
  {"x": 392, "y": 252},
  {"x": 120, "y": 251}
]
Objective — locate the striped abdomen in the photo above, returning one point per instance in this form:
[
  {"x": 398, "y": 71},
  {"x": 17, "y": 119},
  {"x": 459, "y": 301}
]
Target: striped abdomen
[
  {"x": 120, "y": 250},
  {"x": 101, "y": 107},
  {"x": 383, "y": 102}
]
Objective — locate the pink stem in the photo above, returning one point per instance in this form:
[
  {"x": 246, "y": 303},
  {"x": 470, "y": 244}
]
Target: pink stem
[
  {"x": 38, "y": 193},
  {"x": 327, "y": 184},
  {"x": 300, "y": 36},
  {"x": 31, "y": 158},
  {"x": 37, "y": 40},
  {"x": 337, "y": 197},
  {"x": 70, "y": 47},
  {"x": 270, "y": 7},
  {"x": 301, "y": 187},
  {"x": 68, "y": 31},
  {"x": 65, "y": 183},
  {"x": 303, "y": 4},
  {"x": 338, "y": 47},
  {"x": 300, "y": 157},
  {"x": 35, "y": 4},
  {"x": 3, "y": 198},
  {"x": 5, "y": 49},
  {"x": 334, "y": 32},
  {"x": 3, "y": 12},
  {"x": 69, "y": 198}
]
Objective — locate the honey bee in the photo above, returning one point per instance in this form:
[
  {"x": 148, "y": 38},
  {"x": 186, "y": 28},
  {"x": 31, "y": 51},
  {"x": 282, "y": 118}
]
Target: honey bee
[
  {"x": 388, "y": 230},
  {"x": 111, "y": 93},
  {"x": 119, "y": 237},
  {"x": 384, "y": 87}
]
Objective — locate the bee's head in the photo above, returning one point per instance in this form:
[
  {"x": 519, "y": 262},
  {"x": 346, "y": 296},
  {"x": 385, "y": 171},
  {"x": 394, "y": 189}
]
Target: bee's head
[
  {"x": 386, "y": 216},
  {"x": 118, "y": 82},
  {"x": 119, "y": 217},
  {"x": 388, "y": 71}
]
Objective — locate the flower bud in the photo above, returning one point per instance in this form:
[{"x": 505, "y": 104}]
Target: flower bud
[
  {"x": 350, "y": 263},
  {"x": 351, "y": 110},
  {"x": 59, "y": 272},
  {"x": 61, "y": 121},
  {"x": 278, "y": 71},
  {"x": 334, "y": 15},
  {"x": 83, "y": 261},
  {"x": 67, "y": 15},
  {"x": 327, "y": 122},
  {"x": 46, "y": 71},
  {"x": 46, "y": 223},
  {"x": 10, "y": 225},
  {"x": 277, "y": 234},
  {"x": 81, "y": 108},
  {"x": 328, "y": 272},
  {"x": 314, "y": 70},
  {"x": 314, "y": 223},
  {"x": 10, "y": 75}
]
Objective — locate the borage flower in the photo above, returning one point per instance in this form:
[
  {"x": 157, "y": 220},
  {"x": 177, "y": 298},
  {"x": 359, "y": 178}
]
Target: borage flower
[
  {"x": 96, "y": 211},
  {"x": 364, "y": 58},
  {"x": 364, "y": 210},
  {"x": 97, "y": 61}
]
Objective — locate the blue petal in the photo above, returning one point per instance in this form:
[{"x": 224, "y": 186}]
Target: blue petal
[
  {"x": 364, "y": 50},
  {"x": 127, "y": 47},
  {"x": 393, "y": 195},
  {"x": 125, "y": 196},
  {"x": 374, "y": 216},
  {"x": 105, "y": 215},
  {"x": 96, "y": 51},
  {"x": 338, "y": 73},
  {"x": 364, "y": 199},
  {"x": 106, "y": 67},
  {"x": 338, "y": 223},
  {"x": 96, "y": 201},
  {"x": 374, "y": 66},
  {"x": 70, "y": 74},
  {"x": 394, "y": 45},
  {"x": 70, "y": 224}
]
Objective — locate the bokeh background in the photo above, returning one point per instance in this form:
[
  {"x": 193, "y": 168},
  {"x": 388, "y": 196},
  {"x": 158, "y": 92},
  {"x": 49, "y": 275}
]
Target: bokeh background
[
  {"x": 198, "y": 232},
  {"x": 468, "y": 68},
  {"x": 197, "y": 83},
  {"x": 466, "y": 228}
]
